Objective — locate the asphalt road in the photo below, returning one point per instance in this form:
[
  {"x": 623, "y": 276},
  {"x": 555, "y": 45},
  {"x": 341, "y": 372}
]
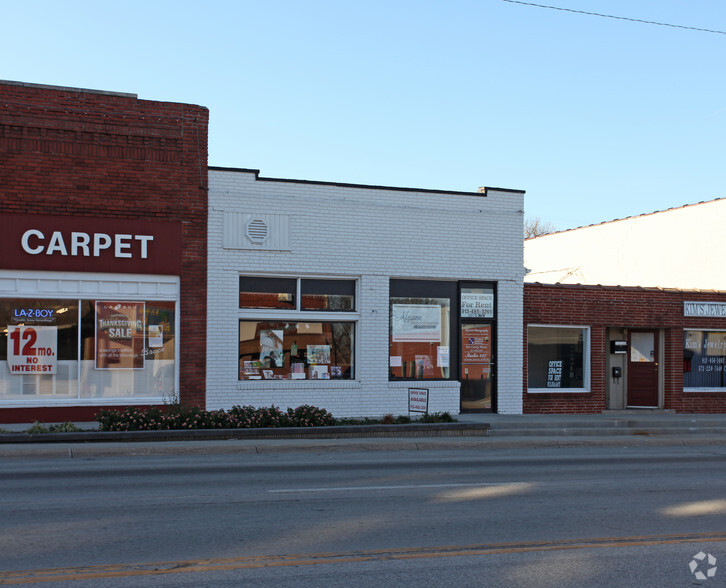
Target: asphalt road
[{"x": 511, "y": 517}]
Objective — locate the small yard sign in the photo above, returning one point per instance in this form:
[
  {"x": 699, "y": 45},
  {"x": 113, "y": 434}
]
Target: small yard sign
[{"x": 418, "y": 400}]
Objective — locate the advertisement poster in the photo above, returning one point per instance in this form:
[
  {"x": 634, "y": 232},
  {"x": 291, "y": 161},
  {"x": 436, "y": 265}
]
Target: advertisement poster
[
  {"x": 32, "y": 350},
  {"x": 271, "y": 348},
  {"x": 120, "y": 330},
  {"x": 477, "y": 305},
  {"x": 156, "y": 336},
  {"x": 318, "y": 354},
  {"x": 476, "y": 344},
  {"x": 442, "y": 356},
  {"x": 416, "y": 322}
]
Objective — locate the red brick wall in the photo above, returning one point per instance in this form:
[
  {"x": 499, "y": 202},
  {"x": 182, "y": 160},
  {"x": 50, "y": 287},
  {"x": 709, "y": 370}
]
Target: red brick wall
[
  {"x": 602, "y": 307},
  {"x": 83, "y": 152}
]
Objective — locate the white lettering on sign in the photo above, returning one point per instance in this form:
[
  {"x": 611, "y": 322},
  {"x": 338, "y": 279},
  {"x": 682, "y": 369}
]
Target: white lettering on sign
[
  {"x": 709, "y": 309},
  {"x": 81, "y": 244}
]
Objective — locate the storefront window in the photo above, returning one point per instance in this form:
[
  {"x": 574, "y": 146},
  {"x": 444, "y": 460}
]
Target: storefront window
[
  {"x": 704, "y": 360},
  {"x": 328, "y": 295},
  {"x": 420, "y": 337},
  {"x": 255, "y": 292},
  {"x": 557, "y": 359},
  {"x": 284, "y": 294},
  {"x": 277, "y": 350},
  {"x": 70, "y": 349}
]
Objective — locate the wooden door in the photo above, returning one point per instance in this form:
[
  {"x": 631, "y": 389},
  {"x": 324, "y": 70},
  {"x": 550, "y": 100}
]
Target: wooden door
[{"x": 643, "y": 369}]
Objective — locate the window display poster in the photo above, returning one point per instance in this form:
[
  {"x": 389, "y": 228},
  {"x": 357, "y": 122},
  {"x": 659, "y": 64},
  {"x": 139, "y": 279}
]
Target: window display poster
[
  {"x": 271, "y": 354},
  {"x": 120, "y": 335},
  {"x": 319, "y": 372},
  {"x": 424, "y": 367},
  {"x": 476, "y": 344},
  {"x": 156, "y": 336},
  {"x": 416, "y": 322},
  {"x": 32, "y": 349},
  {"x": 442, "y": 356},
  {"x": 318, "y": 354},
  {"x": 298, "y": 371}
]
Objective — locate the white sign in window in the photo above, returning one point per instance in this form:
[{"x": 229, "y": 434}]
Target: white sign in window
[
  {"x": 32, "y": 350},
  {"x": 477, "y": 304},
  {"x": 416, "y": 322}
]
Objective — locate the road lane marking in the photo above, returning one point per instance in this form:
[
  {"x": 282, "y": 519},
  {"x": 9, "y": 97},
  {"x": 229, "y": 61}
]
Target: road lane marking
[
  {"x": 400, "y": 487},
  {"x": 271, "y": 561}
]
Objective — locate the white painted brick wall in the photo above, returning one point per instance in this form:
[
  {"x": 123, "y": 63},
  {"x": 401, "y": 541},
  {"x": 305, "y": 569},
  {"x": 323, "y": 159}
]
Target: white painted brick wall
[{"x": 372, "y": 234}]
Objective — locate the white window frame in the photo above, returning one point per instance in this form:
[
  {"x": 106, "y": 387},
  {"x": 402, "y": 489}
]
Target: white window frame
[
  {"x": 82, "y": 286},
  {"x": 585, "y": 358},
  {"x": 310, "y": 316}
]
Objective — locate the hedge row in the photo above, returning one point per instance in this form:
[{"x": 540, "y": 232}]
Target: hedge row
[
  {"x": 238, "y": 417},
  {"x": 177, "y": 416}
]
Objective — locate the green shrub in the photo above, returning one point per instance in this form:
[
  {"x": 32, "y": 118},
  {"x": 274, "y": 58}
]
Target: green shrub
[
  {"x": 176, "y": 416},
  {"x": 309, "y": 416},
  {"x": 40, "y": 429}
]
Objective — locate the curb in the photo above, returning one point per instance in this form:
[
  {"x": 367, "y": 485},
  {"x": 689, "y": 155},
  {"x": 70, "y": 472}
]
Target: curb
[
  {"x": 331, "y": 445},
  {"x": 334, "y": 432}
]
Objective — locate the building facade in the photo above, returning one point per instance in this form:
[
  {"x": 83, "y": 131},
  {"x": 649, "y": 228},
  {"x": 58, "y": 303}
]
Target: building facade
[
  {"x": 595, "y": 348},
  {"x": 347, "y": 297},
  {"x": 674, "y": 248},
  {"x": 103, "y": 228}
]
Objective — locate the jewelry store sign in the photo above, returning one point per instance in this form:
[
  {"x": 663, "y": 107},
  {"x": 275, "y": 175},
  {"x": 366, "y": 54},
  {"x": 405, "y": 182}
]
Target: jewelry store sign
[{"x": 705, "y": 309}]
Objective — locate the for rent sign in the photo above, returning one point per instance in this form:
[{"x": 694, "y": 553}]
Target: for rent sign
[{"x": 418, "y": 400}]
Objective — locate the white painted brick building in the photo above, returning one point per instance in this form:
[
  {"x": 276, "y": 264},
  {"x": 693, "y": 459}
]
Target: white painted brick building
[{"x": 315, "y": 234}]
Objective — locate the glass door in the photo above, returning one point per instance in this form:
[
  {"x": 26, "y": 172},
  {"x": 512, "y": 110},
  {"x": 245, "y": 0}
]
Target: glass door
[{"x": 476, "y": 369}]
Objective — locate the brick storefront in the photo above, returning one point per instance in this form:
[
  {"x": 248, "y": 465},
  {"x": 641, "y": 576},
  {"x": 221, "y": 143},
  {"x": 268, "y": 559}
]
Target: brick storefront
[
  {"x": 611, "y": 316},
  {"x": 93, "y": 156}
]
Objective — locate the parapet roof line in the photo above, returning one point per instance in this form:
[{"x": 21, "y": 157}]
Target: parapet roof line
[
  {"x": 625, "y": 288},
  {"x": 616, "y": 220},
  {"x": 351, "y": 185},
  {"x": 67, "y": 89}
]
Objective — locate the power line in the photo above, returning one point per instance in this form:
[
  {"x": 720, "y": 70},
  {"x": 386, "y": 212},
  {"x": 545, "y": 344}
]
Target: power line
[{"x": 660, "y": 24}]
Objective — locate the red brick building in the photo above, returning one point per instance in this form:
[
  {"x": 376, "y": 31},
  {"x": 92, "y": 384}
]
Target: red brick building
[
  {"x": 592, "y": 348},
  {"x": 103, "y": 228}
]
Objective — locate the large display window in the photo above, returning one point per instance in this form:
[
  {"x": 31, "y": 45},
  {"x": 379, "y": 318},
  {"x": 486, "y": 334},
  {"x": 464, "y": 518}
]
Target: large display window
[
  {"x": 294, "y": 328},
  {"x": 704, "y": 361},
  {"x": 557, "y": 359},
  {"x": 421, "y": 341},
  {"x": 282, "y": 350},
  {"x": 98, "y": 350}
]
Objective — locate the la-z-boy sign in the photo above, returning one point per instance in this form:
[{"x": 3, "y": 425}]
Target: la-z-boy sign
[{"x": 83, "y": 244}]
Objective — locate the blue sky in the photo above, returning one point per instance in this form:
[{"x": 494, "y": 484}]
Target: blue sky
[{"x": 595, "y": 118}]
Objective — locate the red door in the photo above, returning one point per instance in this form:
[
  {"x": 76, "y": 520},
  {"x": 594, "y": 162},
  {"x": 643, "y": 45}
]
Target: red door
[{"x": 643, "y": 369}]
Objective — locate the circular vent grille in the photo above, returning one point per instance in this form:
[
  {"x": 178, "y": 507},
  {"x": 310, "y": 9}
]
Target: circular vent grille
[{"x": 257, "y": 231}]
